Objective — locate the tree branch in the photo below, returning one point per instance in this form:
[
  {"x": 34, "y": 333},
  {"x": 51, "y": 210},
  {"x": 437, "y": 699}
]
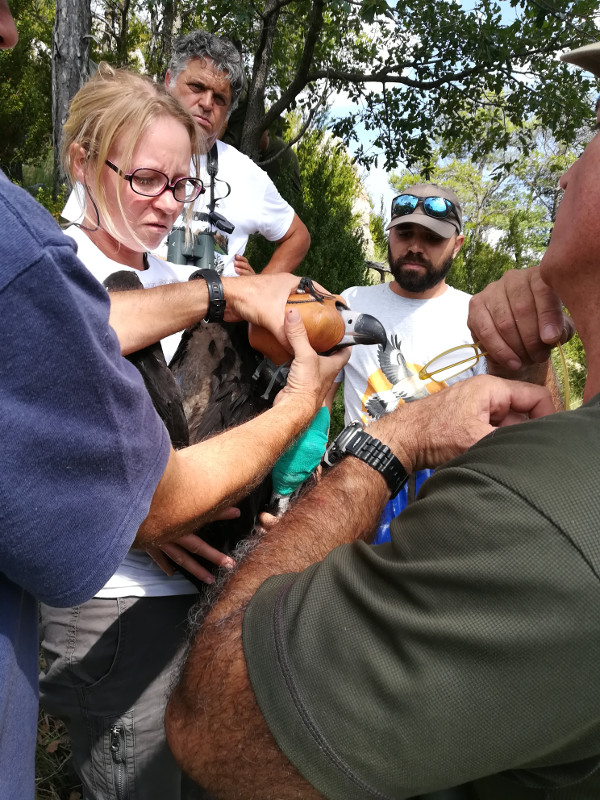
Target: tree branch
[
  {"x": 299, "y": 135},
  {"x": 385, "y": 76},
  {"x": 302, "y": 73}
]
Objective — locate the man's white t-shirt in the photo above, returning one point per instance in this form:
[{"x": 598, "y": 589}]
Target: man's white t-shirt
[
  {"x": 247, "y": 198},
  {"x": 377, "y": 379}
]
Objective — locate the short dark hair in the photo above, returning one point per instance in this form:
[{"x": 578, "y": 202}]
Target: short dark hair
[{"x": 221, "y": 51}]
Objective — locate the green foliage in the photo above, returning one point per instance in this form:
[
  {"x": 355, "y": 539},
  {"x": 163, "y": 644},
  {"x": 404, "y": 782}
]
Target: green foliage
[
  {"x": 25, "y": 88},
  {"x": 413, "y": 76},
  {"x": 330, "y": 186},
  {"x": 53, "y": 204},
  {"x": 337, "y": 413},
  {"x": 576, "y": 368},
  {"x": 378, "y": 235},
  {"x": 54, "y": 779},
  {"x": 476, "y": 265}
]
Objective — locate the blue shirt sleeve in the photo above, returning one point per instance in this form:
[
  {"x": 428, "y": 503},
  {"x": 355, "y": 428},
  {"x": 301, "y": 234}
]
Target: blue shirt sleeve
[{"x": 82, "y": 447}]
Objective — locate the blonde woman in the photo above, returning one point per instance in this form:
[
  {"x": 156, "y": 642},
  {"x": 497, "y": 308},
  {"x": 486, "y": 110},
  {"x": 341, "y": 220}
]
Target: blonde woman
[{"x": 109, "y": 661}]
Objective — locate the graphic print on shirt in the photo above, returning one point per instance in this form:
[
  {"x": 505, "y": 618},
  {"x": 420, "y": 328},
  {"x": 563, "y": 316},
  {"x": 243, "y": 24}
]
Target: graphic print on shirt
[{"x": 396, "y": 381}]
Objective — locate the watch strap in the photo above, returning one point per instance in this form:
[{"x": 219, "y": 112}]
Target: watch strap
[
  {"x": 216, "y": 295},
  {"x": 379, "y": 456},
  {"x": 355, "y": 441}
]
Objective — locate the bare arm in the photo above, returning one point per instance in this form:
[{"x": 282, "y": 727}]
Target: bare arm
[
  {"x": 203, "y": 479},
  {"x": 330, "y": 396},
  {"x": 212, "y": 714},
  {"x": 145, "y": 316},
  {"x": 291, "y": 249}
]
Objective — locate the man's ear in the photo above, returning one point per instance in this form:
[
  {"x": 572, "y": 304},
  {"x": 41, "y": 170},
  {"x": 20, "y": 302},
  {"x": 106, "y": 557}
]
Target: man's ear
[
  {"x": 78, "y": 157},
  {"x": 167, "y": 79},
  {"x": 458, "y": 244}
]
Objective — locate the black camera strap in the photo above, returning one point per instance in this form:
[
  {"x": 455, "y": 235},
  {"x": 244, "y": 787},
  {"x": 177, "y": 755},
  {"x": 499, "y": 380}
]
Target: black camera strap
[{"x": 212, "y": 167}]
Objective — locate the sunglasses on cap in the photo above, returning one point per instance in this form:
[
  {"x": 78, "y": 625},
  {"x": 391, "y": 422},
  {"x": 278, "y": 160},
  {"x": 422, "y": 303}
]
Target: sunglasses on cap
[{"x": 436, "y": 207}]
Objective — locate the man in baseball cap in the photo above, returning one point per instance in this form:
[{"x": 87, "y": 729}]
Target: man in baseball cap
[
  {"x": 421, "y": 314},
  {"x": 425, "y": 236}
]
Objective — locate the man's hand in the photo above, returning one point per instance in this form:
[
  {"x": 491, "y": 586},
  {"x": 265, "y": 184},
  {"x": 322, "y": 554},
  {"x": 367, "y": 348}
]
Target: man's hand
[
  {"x": 517, "y": 320},
  {"x": 310, "y": 375},
  {"x": 444, "y": 425},
  {"x": 242, "y": 266}
]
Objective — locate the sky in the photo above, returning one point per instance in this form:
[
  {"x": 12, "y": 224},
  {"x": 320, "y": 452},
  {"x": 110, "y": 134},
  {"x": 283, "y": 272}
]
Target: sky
[{"x": 375, "y": 180}]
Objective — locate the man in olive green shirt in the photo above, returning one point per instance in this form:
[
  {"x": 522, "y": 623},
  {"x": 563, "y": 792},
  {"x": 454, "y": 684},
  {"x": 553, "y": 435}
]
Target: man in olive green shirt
[{"x": 464, "y": 653}]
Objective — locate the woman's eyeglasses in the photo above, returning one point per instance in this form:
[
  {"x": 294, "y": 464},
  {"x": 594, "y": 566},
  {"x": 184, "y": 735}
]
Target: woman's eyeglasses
[
  {"x": 453, "y": 362},
  {"x": 437, "y": 207},
  {"x": 152, "y": 183}
]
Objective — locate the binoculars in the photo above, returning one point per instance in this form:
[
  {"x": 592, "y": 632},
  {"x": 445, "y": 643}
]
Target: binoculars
[{"x": 200, "y": 252}]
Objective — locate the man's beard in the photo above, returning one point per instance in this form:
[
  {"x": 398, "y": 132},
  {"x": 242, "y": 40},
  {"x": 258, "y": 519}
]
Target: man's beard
[{"x": 414, "y": 281}]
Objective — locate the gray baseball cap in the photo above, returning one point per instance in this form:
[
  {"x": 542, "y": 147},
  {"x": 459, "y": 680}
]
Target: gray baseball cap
[
  {"x": 447, "y": 226},
  {"x": 587, "y": 57}
]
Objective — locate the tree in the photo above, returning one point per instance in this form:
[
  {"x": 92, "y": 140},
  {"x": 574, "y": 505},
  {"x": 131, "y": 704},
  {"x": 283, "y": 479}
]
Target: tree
[
  {"x": 25, "y": 111},
  {"x": 70, "y": 61},
  {"x": 378, "y": 234},
  {"x": 429, "y": 65},
  {"x": 329, "y": 187},
  {"x": 408, "y": 69},
  {"x": 411, "y": 73}
]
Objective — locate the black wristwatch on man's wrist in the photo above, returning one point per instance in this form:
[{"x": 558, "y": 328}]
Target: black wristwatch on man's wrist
[{"x": 354, "y": 441}]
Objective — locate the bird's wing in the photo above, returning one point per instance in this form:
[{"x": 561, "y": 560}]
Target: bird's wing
[
  {"x": 391, "y": 360},
  {"x": 158, "y": 379}
]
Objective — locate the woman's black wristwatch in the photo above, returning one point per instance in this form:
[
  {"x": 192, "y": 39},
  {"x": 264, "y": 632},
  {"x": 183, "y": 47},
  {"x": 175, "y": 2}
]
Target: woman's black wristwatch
[
  {"x": 354, "y": 441},
  {"x": 216, "y": 295}
]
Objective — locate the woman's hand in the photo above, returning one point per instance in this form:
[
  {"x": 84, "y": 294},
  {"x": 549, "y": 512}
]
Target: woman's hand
[{"x": 182, "y": 552}]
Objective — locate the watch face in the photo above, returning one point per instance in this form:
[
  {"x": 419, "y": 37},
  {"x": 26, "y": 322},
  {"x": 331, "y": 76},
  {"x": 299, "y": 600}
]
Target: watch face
[{"x": 339, "y": 447}]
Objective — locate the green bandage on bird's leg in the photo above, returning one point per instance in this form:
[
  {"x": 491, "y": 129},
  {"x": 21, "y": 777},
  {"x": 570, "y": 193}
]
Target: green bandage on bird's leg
[{"x": 297, "y": 463}]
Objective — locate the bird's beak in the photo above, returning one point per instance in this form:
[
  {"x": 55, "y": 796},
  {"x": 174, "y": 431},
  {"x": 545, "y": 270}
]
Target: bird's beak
[{"x": 360, "y": 329}]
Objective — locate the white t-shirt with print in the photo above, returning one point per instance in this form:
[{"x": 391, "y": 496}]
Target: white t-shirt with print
[{"x": 377, "y": 379}]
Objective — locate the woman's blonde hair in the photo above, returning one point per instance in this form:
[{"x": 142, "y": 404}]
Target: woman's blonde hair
[{"x": 116, "y": 104}]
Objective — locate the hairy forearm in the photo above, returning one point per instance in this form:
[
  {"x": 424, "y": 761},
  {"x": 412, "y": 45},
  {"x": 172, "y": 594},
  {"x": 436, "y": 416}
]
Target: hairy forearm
[
  {"x": 326, "y": 517},
  {"x": 213, "y": 712},
  {"x": 143, "y": 317}
]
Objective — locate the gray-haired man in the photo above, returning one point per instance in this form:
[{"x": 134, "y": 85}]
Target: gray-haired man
[{"x": 206, "y": 76}]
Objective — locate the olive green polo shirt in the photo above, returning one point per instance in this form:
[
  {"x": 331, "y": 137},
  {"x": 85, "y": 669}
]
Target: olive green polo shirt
[{"x": 467, "y": 650}]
